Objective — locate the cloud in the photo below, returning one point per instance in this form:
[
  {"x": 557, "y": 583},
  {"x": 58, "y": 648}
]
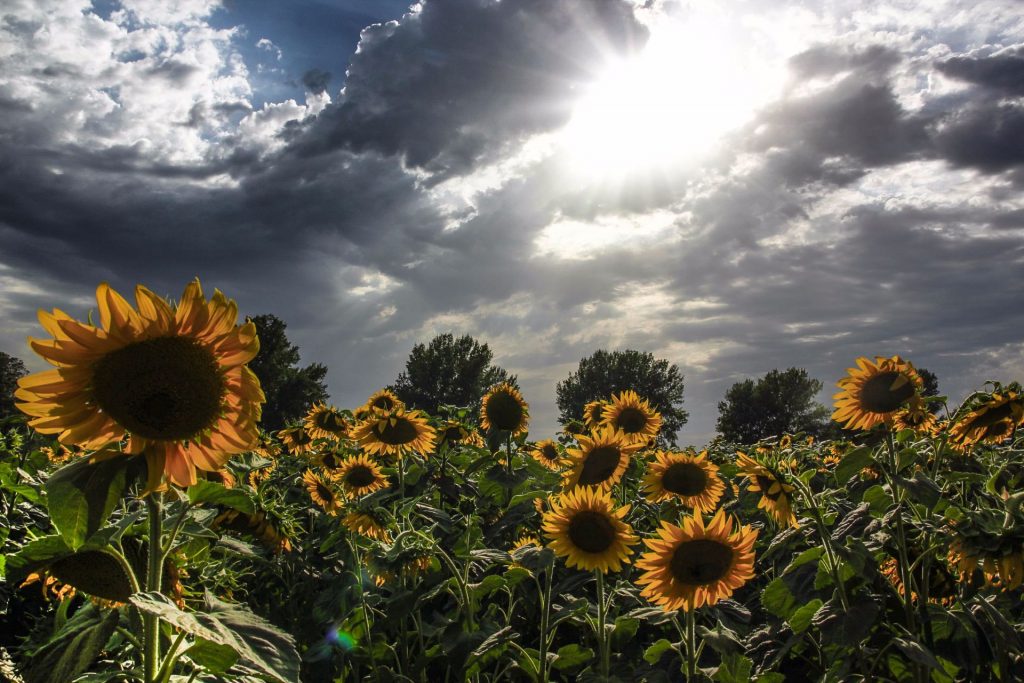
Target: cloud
[{"x": 316, "y": 80}]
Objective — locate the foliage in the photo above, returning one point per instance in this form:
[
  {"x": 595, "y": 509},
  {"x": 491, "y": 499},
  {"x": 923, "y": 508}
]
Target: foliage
[
  {"x": 603, "y": 373},
  {"x": 448, "y": 371},
  {"x": 290, "y": 390},
  {"x": 781, "y": 402},
  {"x": 11, "y": 370}
]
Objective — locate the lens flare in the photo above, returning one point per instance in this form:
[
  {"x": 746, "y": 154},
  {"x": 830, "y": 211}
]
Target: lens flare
[{"x": 343, "y": 639}]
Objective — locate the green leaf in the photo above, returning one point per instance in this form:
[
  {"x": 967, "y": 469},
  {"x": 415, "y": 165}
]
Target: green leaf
[
  {"x": 259, "y": 644},
  {"x": 625, "y": 629},
  {"x": 777, "y": 599},
  {"x": 488, "y": 585},
  {"x": 653, "y": 653},
  {"x": 722, "y": 639},
  {"x": 734, "y": 669},
  {"x": 917, "y": 652},
  {"x": 81, "y": 496},
  {"x": 852, "y": 463},
  {"x": 878, "y": 499},
  {"x": 845, "y": 627},
  {"x": 73, "y": 648},
  {"x": 801, "y": 618},
  {"x": 212, "y": 656},
  {"x": 215, "y": 493},
  {"x": 921, "y": 489},
  {"x": 807, "y": 556},
  {"x": 570, "y": 656}
]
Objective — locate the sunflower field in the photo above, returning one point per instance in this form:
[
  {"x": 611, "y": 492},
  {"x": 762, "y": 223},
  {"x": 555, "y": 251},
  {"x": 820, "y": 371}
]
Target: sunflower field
[{"x": 152, "y": 532}]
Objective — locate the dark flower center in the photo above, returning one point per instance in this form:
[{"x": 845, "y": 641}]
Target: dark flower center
[
  {"x": 701, "y": 561},
  {"x": 591, "y": 532},
  {"x": 599, "y": 465},
  {"x": 631, "y": 420},
  {"x": 684, "y": 479},
  {"x": 165, "y": 388},
  {"x": 325, "y": 493},
  {"x": 596, "y": 413},
  {"x": 330, "y": 421},
  {"x": 765, "y": 484},
  {"x": 383, "y": 402},
  {"x": 504, "y": 411},
  {"x": 396, "y": 431},
  {"x": 360, "y": 476},
  {"x": 549, "y": 452},
  {"x": 878, "y": 396}
]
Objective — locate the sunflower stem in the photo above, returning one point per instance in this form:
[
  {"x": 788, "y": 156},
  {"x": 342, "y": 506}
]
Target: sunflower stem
[
  {"x": 602, "y": 616},
  {"x": 151, "y": 622},
  {"x": 545, "y": 618},
  {"x": 826, "y": 540},
  {"x": 358, "y": 574},
  {"x": 691, "y": 644}
]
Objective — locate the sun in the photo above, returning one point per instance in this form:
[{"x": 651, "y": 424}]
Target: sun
[{"x": 667, "y": 106}]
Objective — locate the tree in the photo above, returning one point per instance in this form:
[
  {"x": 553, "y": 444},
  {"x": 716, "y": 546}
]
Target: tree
[
  {"x": 11, "y": 370},
  {"x": 606, "y": 372},
  {"x": 931, "y": 387},
  {"x": 778, "y": 403},
  {"x": 290, "y": 390},
  {"x": 448, "y": 371}
]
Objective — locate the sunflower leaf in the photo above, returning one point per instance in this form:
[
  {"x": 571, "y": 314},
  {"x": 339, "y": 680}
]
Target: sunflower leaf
[
  {"x": 215, "y": 493},
  {"x": 80, "y": 497},
  {"x": 807, "y": 556},
  {"x": 571, "y": 656},
  {"x": 653, "y": 653},
  {"x": 778, "y": 599},
  {"x": 852, "y": 463},
  {"x": 73, "y": 648},
  {"x": 801, "y": 619}
]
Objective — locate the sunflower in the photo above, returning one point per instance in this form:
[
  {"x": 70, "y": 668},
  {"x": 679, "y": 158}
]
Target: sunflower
[
  {"x": 546, "y": 453},
  {"x": 328, "y": 459},
  {"x": 584, "y": 528},
  {"x": 365, "y": 524},
  {"x": 395, "y": 433},
  {"x": 691, "y": 478},
  {"x": 455, "y": 433},
  {"x": 409, "y": 563},
  {"x": 296, "y": 439},
  {"x": 593, "y": 414},
  {"x": 326, "y": 422},
  {"x": 504, "y": 408},
  {"x": 601, "y": 459},
  {"x": 267, "y": 446},
  {"x": 359, "y": 475},
  {"x": 915, "y": 416},
  {"x": 632, "y": 415},
  {"x": 776, "y": 493},
  {"x": 1000, "y": 556},
  {"x": 384, "y": 400},
  {"x": 941, "y": 584},
  {"x": 255, "y": 524},
  {"x": 873, "y": 392},
  {"x": 696, "y": 565},
  {"x": 172, "y": 379},
  {"x": 60, "y": 454},
  {"x": 528, "y": 539},
  {"x": 258, "y": 475},
  {"x": 991, "y": 422},
  {"x": 321, "y": 491}
]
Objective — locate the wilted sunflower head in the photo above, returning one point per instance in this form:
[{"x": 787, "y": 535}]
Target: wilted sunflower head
[
  {"x": 546, "y": 453},
  {"x": 257, "y": 524},
  {"x": 395, "y": 433},
  {"x": 367, "y": 524},
  {"x": 504, "y": 408},
  {"x": 600, "y": 460},
  {"x": 296, "y": 439},
  {"x": 172, "y": 378},
  {"x": 633, "y": 416},
  {"x": 593, "y": 414},
  {"x": 994, "y": 418},
  {"x": 915, "y": 416},
  {"x": 585, "y": 529},
  {"x": 359, "y": 475},
  {"x": 322, "y": 492},
  {"x": 693, "y": 565},
  {"x": 455, "y": 433},
  {"x": 326, "y": 422},
  {"x": 688, "y": 477},
  {"x": 772, "y": 482},
  {"x": 874, "y": 391},
  {"x": 384, "y": 400},
  {"x": 995, "y": 546}
]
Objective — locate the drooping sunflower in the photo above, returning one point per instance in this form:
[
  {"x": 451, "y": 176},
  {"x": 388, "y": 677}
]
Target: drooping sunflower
[
  {"x": 504, "y": 408},
  {"x": 776, "y": 492},
  {"x": 991, "y": 422},
  {"x": 874, "y": 391},
  {"x": 296, "y": 439},
  {"x": 634, "y": 416},
  {"x": 941, "y": 583},
  {"x": 593, "y": 414},
  {"x": 322, "y": 492},
  {"x": 395, "y": 433},
  {"x": 326, "y": 422},
  {"x": 695, "y": 565},
  {"x": 998, "y": 552},
  {"x": 173, "y": 380},
  {"x": 546, "y": 453},
  {"x": 365, "y": 524},
  {"x": 601, "y": 459},
  {"x": 690, "y": 478},
  {"x": 359, "y": 475},
  {"x": 384, "y": 400},
  {"x": 454, "y": 433},
  {"x": 256, "y": 524},
  {"x": 915, "y": 416},
  {"x": 585, "y": 529}
]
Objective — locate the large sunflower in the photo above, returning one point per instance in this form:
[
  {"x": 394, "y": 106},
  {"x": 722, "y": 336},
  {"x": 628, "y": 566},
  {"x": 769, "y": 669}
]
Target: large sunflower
[
  {"x": 991, "y": 422},
  {"x": 546, "y": 453},
  {"x": 694, "y": 565},
  {"x": 776, "y": 493},
  {"x": 601, "y": 459},
  {"x": 634, "y": 416},
  {"x": 504, "y": 408},
  {"x": 172, "y": 378},
  {"x": 593, "y": 414},
  {"x": 691, "y": 478},
  {"x": 588, "y": 532},
  {"x": 322, "y": 492},
  {"x": 296, "y": 439},
  {"x": 396, "y": 433},
  {"x": 326, "y": 422},
  {"x": 384, "y": 400},
  {"x": 874, "y": 391},
  {"x": 359, "y": 475}
]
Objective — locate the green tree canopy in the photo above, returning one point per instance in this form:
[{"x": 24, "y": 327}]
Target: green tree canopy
[
  {"x": 607, "y": 372},
  {"x": 11, "y": 370},
  {"x": 931, "y": 387},
  {"x": 778, "y": 403},
  {"x": 448, "y": 371},
  {"x": 290, "y": 390}
]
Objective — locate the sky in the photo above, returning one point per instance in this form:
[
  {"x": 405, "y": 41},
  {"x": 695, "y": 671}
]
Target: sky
[{"x": 732, "y": 186}]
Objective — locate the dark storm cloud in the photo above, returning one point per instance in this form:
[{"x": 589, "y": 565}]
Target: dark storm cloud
[
  {"x": 1002, "y": 72},
  {"x": 316, "y": 80},
  {"x": 462, "y": 80}
]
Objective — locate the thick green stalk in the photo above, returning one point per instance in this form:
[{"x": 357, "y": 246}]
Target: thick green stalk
[
  {"x": 545, "y": 619},
  {"x": 602, "y": 617},
  {"x": 691, "y": 644},
  {"x": 154, "y": 573}
]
